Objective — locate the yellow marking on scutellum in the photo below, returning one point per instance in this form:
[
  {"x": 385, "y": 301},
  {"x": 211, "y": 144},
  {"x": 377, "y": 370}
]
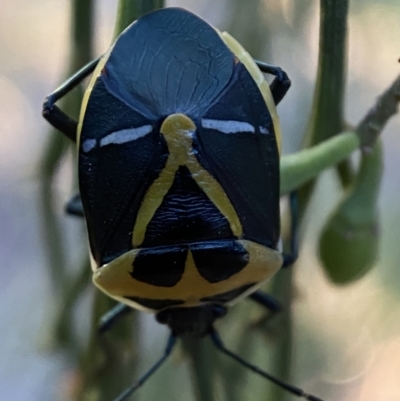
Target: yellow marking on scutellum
[
  {"x": 178, "y": 130},
  {"x": 116, "y": 281},
  {"x": 258, "y": 77}
]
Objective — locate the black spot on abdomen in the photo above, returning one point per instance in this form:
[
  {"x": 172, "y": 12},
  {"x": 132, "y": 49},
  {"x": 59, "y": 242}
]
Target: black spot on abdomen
[
  {"x": 162, "y": 267},
  {"x": 220, "y": 261}
]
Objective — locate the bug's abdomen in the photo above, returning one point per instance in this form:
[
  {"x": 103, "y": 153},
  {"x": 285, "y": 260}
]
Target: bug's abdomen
[{"x": 187, "y": 274}]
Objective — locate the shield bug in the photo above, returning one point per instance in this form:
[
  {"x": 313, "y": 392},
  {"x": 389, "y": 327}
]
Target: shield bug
[{"x": 179, "y": 148}]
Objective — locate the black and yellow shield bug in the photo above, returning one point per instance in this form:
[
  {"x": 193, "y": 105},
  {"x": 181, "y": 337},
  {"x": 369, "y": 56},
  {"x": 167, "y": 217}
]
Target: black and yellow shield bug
[{"x": 179, "y": 148}]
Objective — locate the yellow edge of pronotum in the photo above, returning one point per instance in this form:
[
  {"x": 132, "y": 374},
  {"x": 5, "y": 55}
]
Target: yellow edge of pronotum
[
  {"x": 88, "y": 92},
  {"x": 258, "y": 77}
]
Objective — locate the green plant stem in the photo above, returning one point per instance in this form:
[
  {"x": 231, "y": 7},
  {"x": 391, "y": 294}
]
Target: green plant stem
[
  {"x": 300, "y": 167},
  {"x": 326, "y": 118},
  {"x": 74, "y": 287},
  {"x": 131, "y": 10},
  {"x": 201, "y": 354},
  {"x": 80, "y": 53},
  {"x": 251, "y": 28},
  {"x": 327, "y": 111},
  {"x": 108, "y": 363},
  {"x": 282, "y": 351},
  {"x": 82, "y": 33},
  {"x": 362, "y": 205},
  {"x": 234, "y": 375},
  {"x": 55, "y": 148},
  {"x": 375, "y": 120}
]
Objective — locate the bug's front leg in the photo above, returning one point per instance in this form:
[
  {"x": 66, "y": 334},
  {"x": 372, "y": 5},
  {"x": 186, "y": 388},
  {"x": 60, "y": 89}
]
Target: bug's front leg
[
  {"x": 53, "y": 114},
  {"x": 280, "y": 85}
]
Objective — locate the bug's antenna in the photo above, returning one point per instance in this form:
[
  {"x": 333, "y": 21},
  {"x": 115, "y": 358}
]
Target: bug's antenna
[
  {"x": 168, "y": 349},
  {"x": 288, "y": 387}
]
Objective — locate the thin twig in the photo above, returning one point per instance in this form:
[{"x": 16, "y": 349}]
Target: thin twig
[{"x": 373, "y": 123}]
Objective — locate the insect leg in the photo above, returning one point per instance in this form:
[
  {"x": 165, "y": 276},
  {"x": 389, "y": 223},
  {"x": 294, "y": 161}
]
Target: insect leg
[
  {"x": 290, "y": 258},
  {"x": 168, "y": 349},
  {"x": 280, "y": 85},
  {"x": 270, "y": 303},
  {"x": 112, "y": 316},
  {"x": 53, "y": 114},
  {"x": 267, "y": 301},
  {"x": 288, "y": 387},
  {"x": 74, "y": 206}
]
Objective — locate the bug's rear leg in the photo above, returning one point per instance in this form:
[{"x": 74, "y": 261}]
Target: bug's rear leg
[
  {"x": 112, "y": 316},
  {"x": 270, "y": 303},
  {"x": 281, "y": 83},
  {"x": 267, "y": 301},
  {"x": 53, "y": 114},
  {"x": 290, "y": 258},
  {"x": 125, "y": 395}
]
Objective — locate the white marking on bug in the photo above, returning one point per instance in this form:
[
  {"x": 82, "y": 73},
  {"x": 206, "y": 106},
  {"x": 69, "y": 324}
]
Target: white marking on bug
[
  {"x": 126, "y": 135},
  {"x": 227, "y": 126},
  {"x": 264, "y": 130},
  {"x": 88, "y": 145}
]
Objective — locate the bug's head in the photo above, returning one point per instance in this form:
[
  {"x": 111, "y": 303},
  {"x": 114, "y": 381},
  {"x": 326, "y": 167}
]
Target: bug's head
[{"x": 197, "y": 319}]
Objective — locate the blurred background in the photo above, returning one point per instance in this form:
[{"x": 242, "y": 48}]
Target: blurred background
[{"x": 346, "y": 341}]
